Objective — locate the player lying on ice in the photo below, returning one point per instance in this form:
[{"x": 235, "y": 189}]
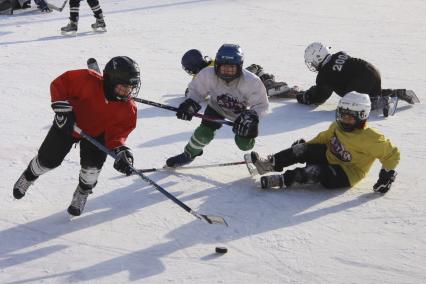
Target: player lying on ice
[
  {"x": 339, "y": 157},
  {"x": 193, "y": 62},
  {"x": 341, "y": 73}
]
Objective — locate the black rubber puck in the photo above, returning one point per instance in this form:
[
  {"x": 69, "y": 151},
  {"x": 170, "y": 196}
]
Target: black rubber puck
[{"x": 221, "y": 250}]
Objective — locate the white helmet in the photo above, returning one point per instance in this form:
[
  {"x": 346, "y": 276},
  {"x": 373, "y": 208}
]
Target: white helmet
[
  {"x": 315, "y": 54},
  {"x": 357, "y": 105}
]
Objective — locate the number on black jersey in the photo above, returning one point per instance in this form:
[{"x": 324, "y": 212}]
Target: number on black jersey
[{"x": 338, "y": 64}]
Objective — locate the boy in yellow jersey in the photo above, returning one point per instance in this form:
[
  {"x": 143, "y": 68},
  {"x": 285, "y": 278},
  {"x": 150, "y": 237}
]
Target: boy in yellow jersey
[
  {"x": 193, "y": 62},
  {"x": 339, "y": 157}
]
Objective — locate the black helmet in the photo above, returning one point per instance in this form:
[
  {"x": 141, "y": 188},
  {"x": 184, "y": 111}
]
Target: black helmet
[
  {"x": 121, "y": 70},
  {"x": 193, "y": 61},
  {"x": 230, "y": 54}
]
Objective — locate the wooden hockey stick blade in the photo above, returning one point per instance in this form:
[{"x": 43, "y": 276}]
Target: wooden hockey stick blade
[
  {"x": 93, "y": 65},
  {"x": 56, "y": 8},
  {"x": 210, "y": 219}
]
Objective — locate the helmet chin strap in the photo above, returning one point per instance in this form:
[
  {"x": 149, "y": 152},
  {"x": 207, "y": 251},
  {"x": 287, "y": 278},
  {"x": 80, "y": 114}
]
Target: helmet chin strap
[{"x": 325, "y": 61}]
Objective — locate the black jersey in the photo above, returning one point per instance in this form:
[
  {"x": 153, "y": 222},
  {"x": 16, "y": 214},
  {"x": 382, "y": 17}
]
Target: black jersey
[{"x": 342, "y": 74}]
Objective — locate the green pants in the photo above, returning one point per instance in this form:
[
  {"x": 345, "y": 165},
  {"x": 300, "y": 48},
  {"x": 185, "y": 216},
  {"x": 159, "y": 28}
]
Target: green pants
[{"x": 204, "y": 134}]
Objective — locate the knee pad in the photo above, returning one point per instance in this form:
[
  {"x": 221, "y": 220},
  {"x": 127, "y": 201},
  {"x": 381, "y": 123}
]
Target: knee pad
[
  {"x": 88, "y": 177},
  {"x": 299, "y": 151},
  {"x": 244, "y": 144},
  {"x": 36, "y": 168},
  {"x": 313, "y": 173},
  {"x": 307, "y": 175}
]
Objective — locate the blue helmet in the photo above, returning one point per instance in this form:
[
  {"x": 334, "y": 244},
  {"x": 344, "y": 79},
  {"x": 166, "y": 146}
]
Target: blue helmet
[
  {"x": 193, "y": 61},
  {"x": 230, "y": 54}
]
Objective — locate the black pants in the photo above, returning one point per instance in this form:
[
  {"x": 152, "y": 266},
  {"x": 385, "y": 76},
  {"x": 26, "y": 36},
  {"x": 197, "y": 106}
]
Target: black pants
[
  {"x": 317, "y": 168},
  {"x": 57, "y": 145},
  {"x": 370, "y": 82},
  {"x": 75, "y": 9}
]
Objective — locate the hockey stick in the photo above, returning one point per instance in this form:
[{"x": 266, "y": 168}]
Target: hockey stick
[
  {"x": 93, "y": 65},
  {"x": 175, "y": 109},
  {"x": 206, "y": 218},
  {"x": 191, "y": 167},
  {"x": 56, "y": 8}
]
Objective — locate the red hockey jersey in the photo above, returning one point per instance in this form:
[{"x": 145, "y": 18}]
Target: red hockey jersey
[{"x": 83, "y": 89}]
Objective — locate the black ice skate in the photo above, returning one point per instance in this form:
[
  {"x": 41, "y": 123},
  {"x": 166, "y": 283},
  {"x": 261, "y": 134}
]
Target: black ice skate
[
  {"x": 179, "y": 160},
  {"x": 272, "y": 181},
  {"x": 78, "y": 201},
  {"x": 21, "y": 186},
  {"x": 388, "y": 104},
  {"x": 99, "y": 25},
  {"x": 406, "y": 95},
  {"x": 70, "y": 29}
]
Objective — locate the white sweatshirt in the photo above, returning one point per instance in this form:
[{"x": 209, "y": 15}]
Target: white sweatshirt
[{"x": 229, "y": 99}]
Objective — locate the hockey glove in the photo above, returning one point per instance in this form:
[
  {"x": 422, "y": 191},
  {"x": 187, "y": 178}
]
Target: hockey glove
[
  {"x": 64, "y": 116},
  {"x": 124, "y": 161},
  {"x": 187, "y": 109},
  {"x": 303, "y": 98},
  {"x": 246, "y": 125},
  {"x": 384, "y": 183}
]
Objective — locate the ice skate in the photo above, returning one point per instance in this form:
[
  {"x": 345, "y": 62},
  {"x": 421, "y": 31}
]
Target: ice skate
[
  {"x": 99, "y": 26},
  {"x": 21, "y": 186},
  {"x": 406, "y": 95},
  {"x": 70, "y": 29},
  {"x": 78, "y": 201},
  {"x": 179, "y": 160},
  {"x": 261, "y": 165},
  {"x": 387, "y": 104},
  {"x": 272, "y": 181}
]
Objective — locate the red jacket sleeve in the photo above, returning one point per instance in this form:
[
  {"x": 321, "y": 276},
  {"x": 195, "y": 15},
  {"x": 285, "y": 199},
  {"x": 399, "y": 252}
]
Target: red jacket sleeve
[{"x": 59, "y": 90}]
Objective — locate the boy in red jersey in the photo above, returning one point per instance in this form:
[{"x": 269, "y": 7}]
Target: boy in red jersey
[{"x": 102, "y": 107}]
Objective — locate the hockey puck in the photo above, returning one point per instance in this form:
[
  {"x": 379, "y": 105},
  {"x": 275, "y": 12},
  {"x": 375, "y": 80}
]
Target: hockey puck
[{"x": 221, "y": 250}]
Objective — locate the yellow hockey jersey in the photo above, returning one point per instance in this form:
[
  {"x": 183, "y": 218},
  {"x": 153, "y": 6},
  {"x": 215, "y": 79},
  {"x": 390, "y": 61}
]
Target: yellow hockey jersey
[{"x": 356, "y": 151}]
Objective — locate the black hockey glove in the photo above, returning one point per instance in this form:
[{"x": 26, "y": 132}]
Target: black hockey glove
[
  {"x": 303, "y": 98},
  {"x": 124, "y": 161},
  {"x": 64, "y": 117},
  {"x": 384, "y": 183},
  {"x": 246, "y": 125},
  {"x": 187, "y": 109}
]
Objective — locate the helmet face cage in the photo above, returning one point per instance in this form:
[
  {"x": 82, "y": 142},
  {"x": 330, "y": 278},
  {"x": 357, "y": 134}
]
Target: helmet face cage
[
  {"x": 229, "y": 54},
  {"x": 356, "y": 105},
  {"x": 315, "y": 54},
  {"x": 134, "y": 81},
  {"x": 360, "y": 119},
  {"x": 122, "y": 70}
]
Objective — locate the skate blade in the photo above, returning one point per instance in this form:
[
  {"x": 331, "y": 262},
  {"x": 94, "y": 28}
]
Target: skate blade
[
  {"x": 70, "y": 34},
  {"x": 393, "y": 105},
  {"x": 71, "y": 217},
  {"x": 250, "y": 166},
  {"x": 99, "y": 30}
]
